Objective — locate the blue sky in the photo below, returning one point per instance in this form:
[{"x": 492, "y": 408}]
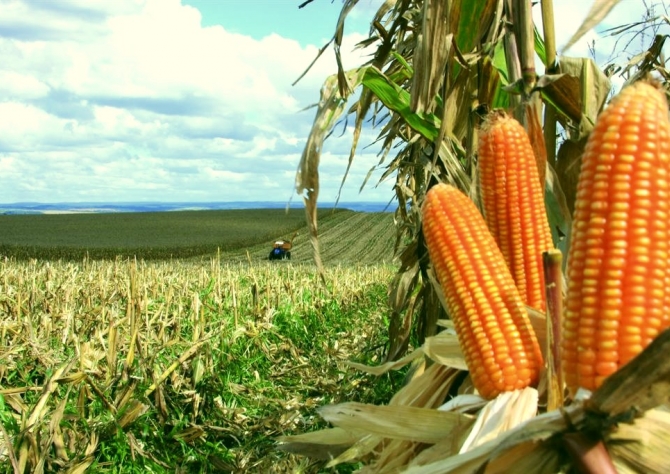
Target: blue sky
[
  {"x": 180, "y": 100},
  {"x": 312, "y": 24}
]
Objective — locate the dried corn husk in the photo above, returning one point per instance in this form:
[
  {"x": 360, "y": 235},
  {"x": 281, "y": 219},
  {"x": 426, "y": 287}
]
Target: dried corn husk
[{"x": 418, "y": 434}]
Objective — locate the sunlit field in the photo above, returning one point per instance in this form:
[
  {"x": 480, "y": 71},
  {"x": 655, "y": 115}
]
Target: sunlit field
[
  {"x": 195, "y": 365},
  {"x": 346, "y": 236}
]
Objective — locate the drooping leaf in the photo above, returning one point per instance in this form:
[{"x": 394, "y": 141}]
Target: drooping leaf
[
  {"x": 330, "y": 107},
  {"x": 396, "y": 421},
  {"x": 563, "y": 93},
  {"x": 343, "y": 82},
  {"x": 430, "y": 55},
  {"x": 578, "y": 92},
  {"x": 599, "y": 10}
]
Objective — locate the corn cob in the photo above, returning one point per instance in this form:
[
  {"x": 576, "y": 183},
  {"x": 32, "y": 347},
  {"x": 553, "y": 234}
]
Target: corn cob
[
  {"x": 493, "y": 329},
  {"x": 513, "y": 203},
  {"x": 618, "y": 272}
]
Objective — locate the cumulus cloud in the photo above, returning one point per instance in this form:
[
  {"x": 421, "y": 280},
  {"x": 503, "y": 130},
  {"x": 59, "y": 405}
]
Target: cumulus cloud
[
  {"x": 600, "y": 43},
  {"x": 130, "y": 100},
  {"x": 136, "y": 100}
]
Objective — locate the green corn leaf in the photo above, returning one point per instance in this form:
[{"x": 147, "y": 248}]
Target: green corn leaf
[{"x": 398, "y": 100}]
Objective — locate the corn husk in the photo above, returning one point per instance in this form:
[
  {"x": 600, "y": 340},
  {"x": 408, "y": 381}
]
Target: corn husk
[{"x": 418, "y": 433}]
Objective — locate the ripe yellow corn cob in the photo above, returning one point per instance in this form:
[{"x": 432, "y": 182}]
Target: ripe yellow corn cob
[
  {"x": 499, "y": 345},
  {"x": 513, "y": 203},
  {"x": 617, "y": 297}
]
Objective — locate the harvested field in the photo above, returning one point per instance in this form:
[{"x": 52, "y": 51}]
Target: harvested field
[{"x": 180, "y": 366}]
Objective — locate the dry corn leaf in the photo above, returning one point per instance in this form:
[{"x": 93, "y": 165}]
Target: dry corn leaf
[
  {"x": 190, "y": 352},
  {"x": 446, "y": 448},
  {"x": 81, "y": 467},
  {"x": 427, "y": 390},
  {"x": 445, "y": 349},
  {"x": 439, "y": 460},
  {"x": 89, "y": 357},
  {"x": 464, "y": 403},
  {"x": 530, "y": 457},
  {"x": 132, "y": 412},
  {"x": 535, "y": 430},
  {"x": 599, "y": 10},
  {"x": 72, "y": 378},
  {"x": 392, "y": 365},
  {"x": 330, "y": 107},
  {"x": 430, "y": 55},
  {"x": 56, "y": 434},
  {"x": 7, "y": 450},
  {"x": 359, "y": 450},
  {"x": 396, "y": 421},
  {"x": 642, "y": 445},
  {"x": 190, "y": 434},
  {"x": 112, "y": 348},
  {"x": 400, "y": 298},
  {"x": 394, "y": 457},
  {"x": 322, "y": 444},
  {"x": 92, "y": 444},
  {"x": 15, "y": 401},
  {"x": 28, "y": 448},
  {"x": 505, "y": 412},
  {"x": 49, "y": 388}
]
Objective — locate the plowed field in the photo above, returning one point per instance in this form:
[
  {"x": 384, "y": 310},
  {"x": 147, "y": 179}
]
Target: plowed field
[{"x": 344, "y": 237}]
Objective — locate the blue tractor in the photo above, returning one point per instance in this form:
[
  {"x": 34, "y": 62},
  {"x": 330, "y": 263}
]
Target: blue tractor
[{"x": 281, "y": 249}]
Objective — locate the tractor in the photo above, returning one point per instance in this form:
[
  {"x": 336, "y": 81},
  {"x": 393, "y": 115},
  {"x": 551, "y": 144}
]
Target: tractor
[{"x": 281, "y": 249}]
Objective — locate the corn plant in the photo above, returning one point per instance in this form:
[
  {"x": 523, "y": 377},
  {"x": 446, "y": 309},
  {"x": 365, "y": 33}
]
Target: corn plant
[{"x": 438, "y": 69}]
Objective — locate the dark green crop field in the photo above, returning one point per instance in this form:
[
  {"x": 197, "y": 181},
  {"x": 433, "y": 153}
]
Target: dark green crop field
[
  {"x": 237, "y": 234},
  {"x": 146, "y": 234}
]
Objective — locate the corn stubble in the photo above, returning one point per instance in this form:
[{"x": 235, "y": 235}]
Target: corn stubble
[{"x": 151, "y": 355}]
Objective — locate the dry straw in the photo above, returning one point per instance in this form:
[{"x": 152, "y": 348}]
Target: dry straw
[{"x": 114, "y": 344}]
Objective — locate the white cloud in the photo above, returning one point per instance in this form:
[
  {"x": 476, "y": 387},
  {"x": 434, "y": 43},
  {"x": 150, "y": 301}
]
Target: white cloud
[
  {"x": 135, "y": 100},
  {"x": 569, "y": 15}
]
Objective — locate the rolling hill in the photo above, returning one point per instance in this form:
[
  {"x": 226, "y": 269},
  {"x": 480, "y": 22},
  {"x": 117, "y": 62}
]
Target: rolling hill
[{"x": 345, "y": 236}]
